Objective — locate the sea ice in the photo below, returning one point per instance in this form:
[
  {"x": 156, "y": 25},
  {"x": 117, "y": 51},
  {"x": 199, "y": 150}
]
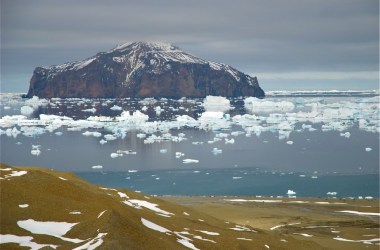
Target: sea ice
[
  {"x": 91, "y": 110},
  {"x": 290, "y": 192},
  {"x": 115, "y": 155},
  {"x": 115, "y": 107},
  {"x": 179, "y": 155},
  {"x": 95, "y": 134},
  {"x": 36, "y": 150},
  {"x": 229, "y": 141},
  {"x": 216, "y": 103},
  {"x": 260, "y": 105},
  {"x": 26, "y": 110},
  {"x": 216, "y": 151},
  {"x": 332, "y": 193},
  {"x": 190, "y": 161}
]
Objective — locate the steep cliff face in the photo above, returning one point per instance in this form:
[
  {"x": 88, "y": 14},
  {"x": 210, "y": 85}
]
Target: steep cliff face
[{"x": 142, "y": 69}]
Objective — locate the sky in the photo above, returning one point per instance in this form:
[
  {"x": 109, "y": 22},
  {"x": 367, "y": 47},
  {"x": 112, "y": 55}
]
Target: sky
[{"x": 288, "y": 45}]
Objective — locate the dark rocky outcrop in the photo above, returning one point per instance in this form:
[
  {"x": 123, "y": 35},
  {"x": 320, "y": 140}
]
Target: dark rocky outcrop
[{"x": 142, "y": 70}]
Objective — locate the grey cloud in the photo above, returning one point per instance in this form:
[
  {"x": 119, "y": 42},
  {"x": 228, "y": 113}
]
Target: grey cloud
[{"x": 338, "y": 35}]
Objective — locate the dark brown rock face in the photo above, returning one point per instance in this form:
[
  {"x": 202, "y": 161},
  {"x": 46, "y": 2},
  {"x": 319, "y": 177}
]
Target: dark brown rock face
[{"x": 142, "y": 70}]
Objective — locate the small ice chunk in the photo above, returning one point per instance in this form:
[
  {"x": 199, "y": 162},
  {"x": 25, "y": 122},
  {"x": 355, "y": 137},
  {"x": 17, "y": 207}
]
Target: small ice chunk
[
  {"x": 115, "y": 155},
  {"x": 255, "y": 104},
  {"x": 115, "y": 107},
  {"x": 97, "y": 166},
  {"x": 368, "y": 149},
  {"x": 23, "y": 205},
  {"x": 216, "y": 151},
  {"x": 26, "y": 110},
  {"x": 289, "y": 142},
  {"x": 190, "y": 161},
  {"x": 179, "y": 155},
  {"x": 102, "y": 141},
  {"x": 290, "y": 192},
  {"x": 231, "y": 141},
  {"x": 92, "y": 110},
  {"x": 141, "y": 136},
  {"x": 332, "y": 193},
  {"x": 163, "y": 151},
  {"x": 347, "y": 134},
  {"x": 36, "y": 150},
  {"x": 109, "y": 137}
]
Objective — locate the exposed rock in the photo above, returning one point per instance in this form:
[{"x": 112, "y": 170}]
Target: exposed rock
[{"x": 142, "y": 69}]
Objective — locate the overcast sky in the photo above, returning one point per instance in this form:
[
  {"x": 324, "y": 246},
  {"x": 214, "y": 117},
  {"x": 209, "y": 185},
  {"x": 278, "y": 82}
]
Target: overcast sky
[{"x": 292, "y": 44}]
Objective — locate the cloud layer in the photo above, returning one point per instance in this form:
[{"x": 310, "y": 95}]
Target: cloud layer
[{"x": 251, "y": 35}]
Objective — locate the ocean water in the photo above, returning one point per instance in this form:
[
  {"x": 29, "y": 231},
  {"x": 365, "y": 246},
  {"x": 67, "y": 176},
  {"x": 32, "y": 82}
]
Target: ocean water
[{"x": 312, "y": 144}]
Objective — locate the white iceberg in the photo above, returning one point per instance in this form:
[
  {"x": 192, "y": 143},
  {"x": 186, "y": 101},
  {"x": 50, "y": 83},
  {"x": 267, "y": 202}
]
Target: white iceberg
[
  {"x": 216, "y": 103},
  {"x": 261, "y": 105},
  {"x": 290, "y": 192},
  {"x": 26, "y": 110}
]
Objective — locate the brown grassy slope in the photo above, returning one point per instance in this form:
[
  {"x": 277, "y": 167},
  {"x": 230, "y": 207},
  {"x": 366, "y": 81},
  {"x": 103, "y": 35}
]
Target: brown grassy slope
[
  {"x": 312, "y": 216},
  {"x": 52, "y": 199}
]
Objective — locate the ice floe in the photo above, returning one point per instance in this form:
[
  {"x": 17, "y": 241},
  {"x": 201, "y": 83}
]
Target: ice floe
[
  {"x": 216, "y": 103},
  {"x": 26, "y": 110},
  {"x": 291, "y": 192},
  {"x": 187, "y": 161},
  {"x": 260, "y": 105},
  {"x": 36, "y": 150}
]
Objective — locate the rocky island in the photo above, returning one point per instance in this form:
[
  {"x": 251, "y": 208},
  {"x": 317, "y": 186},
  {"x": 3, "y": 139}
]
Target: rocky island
[{"x": 142, "y": 69}]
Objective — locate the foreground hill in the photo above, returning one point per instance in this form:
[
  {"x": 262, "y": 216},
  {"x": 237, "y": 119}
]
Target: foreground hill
[
  {"x": 43, "y": 208},
  {"x": 142, "y": 69}
]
